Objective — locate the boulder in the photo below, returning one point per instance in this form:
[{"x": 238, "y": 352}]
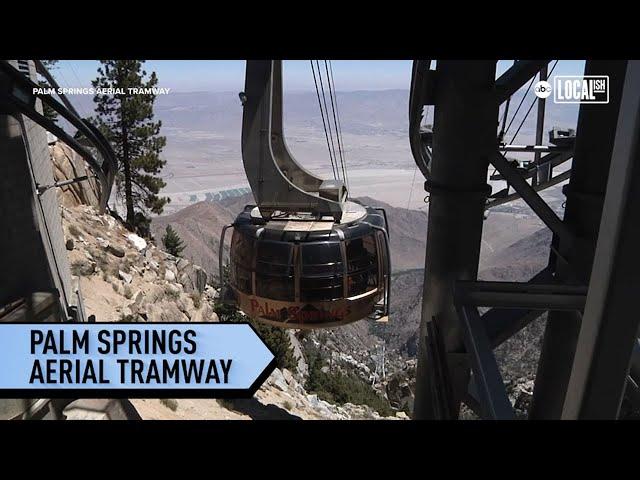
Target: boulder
[
  {"x": 155, "y": 293},
  {"x": 102, "y": 242},
  {"x": 193, "y": 278},
  {"x": 84, "y": 267},
  {"x": 117, "y": 251},
  {"x": 125, "y": 276},
  {"x": 182, "y": 263},
  {"x": 288, "y": 377},
  {"x": 169, "y": 275},
  {"x": 169, "y": 312},
  {"x": 149, "y": 276},
  {"x": 278, "y": 381},
  {"x": 138, "y": 242},
  {"x": 204, "y": 314}
]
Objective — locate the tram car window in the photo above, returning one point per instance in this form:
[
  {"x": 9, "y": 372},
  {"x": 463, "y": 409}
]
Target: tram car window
[{"x": 274, "y": 271}]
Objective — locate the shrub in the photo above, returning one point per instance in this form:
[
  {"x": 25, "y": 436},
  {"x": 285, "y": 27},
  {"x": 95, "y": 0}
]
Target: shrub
[
  {"x": 82, "y": 268},
  {"x": 75, "y": 231},
  {"x": 172, "y": 242},
  {"x": 277, "y": 339},
  {"x": 171, "y": 293},
  {"x": 279, "y": 342},
  {"x": 343, "y": 387}
]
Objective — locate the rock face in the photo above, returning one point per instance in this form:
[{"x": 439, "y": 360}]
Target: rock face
[
  {"x": 284, "y": 391},
  {"x": 68, "y": 165},
  {"x": 123, "y": 277}
]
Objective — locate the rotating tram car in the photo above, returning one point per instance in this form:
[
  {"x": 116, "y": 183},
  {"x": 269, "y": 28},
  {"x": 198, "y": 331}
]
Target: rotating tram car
[{"x": 305, "y": 256}]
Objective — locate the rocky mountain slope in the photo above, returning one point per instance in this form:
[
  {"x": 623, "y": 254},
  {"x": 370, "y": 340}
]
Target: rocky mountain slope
[{"x": 124, "y": 278}]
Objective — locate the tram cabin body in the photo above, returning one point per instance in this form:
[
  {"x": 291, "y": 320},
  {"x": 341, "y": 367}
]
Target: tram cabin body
[{"x": 304, "y": 272}]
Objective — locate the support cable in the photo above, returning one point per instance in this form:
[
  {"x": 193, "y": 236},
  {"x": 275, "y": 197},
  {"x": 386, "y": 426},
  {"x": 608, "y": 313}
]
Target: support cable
[
  {"x": 333, "y": 168},
  {"x": 326, "y": 108},
  {"x": 335, "y": 123},
  {"x": 344, "y": 152},
  {"x": 504, "y": 117},
  {"x": 75, "y": 74},
  {"x": 520, "y": 104},
  {"x": 530, "y": 107}
]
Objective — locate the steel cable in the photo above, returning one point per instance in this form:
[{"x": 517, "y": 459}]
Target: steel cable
[
  {"x": 333, "y": 167},
  {"x": 335, "y": 122}
]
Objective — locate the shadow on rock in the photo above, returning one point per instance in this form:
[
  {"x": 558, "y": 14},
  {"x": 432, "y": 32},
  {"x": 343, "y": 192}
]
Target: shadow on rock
[{"x": 258, "y": 411}]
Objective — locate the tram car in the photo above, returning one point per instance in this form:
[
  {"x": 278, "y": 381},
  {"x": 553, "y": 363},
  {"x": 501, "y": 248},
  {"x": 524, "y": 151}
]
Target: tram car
[{"x": 305, "y": 256}]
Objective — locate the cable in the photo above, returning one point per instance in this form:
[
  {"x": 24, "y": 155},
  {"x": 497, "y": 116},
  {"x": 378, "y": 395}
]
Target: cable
[
  {"x": 323, "y": 122},
  {"x": 504, "y": 116},
  {"x": 413, "y": 180},
  {"x": 530, "y": 107},
  {"x": 344, "y": 152},
  {"x": 335, "y": 122},
  {"x": 520, "y": 104},
  {"x": 324, "y": 99},
  {"x": 73, "y": 70}
]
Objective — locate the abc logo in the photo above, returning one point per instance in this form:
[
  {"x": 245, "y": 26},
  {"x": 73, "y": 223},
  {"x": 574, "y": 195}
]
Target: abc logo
[{"x": 542, "y": 89}]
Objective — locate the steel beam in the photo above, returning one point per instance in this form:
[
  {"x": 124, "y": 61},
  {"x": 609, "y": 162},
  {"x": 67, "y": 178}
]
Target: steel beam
[
  {"x": 610, "y": 323},
  {"x": 533, "y": 148},
  {"x": 552, "y": 159},
  {"x": 465, "y": 119},
  {"x": 490, "y": 389},
  {"x": 517, "y": 75},
  {"x": 531, "y": 197},
  {"x": 521, "y": 295},
  {"x": 496, "y": 199},
  {"x": 585, "y": 193}
]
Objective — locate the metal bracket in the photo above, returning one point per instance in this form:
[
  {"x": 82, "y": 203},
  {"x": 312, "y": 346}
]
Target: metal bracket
[
  {"x": 531, "y": 198},
  {"x": 43, "y": 188}
]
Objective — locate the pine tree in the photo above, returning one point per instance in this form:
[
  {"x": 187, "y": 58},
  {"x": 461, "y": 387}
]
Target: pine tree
[
  {"x": 172, "y": 242},
  {"x": 126, "y": 119}
]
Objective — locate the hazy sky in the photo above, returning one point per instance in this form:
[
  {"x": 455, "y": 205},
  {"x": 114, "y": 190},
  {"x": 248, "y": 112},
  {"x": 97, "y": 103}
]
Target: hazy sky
[{"x": 228, "y": 75}]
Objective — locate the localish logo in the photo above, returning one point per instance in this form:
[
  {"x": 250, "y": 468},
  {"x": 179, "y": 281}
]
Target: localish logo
[
  {"x": 542, "y": 89},
  {"x": 581, "y": 89}
]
